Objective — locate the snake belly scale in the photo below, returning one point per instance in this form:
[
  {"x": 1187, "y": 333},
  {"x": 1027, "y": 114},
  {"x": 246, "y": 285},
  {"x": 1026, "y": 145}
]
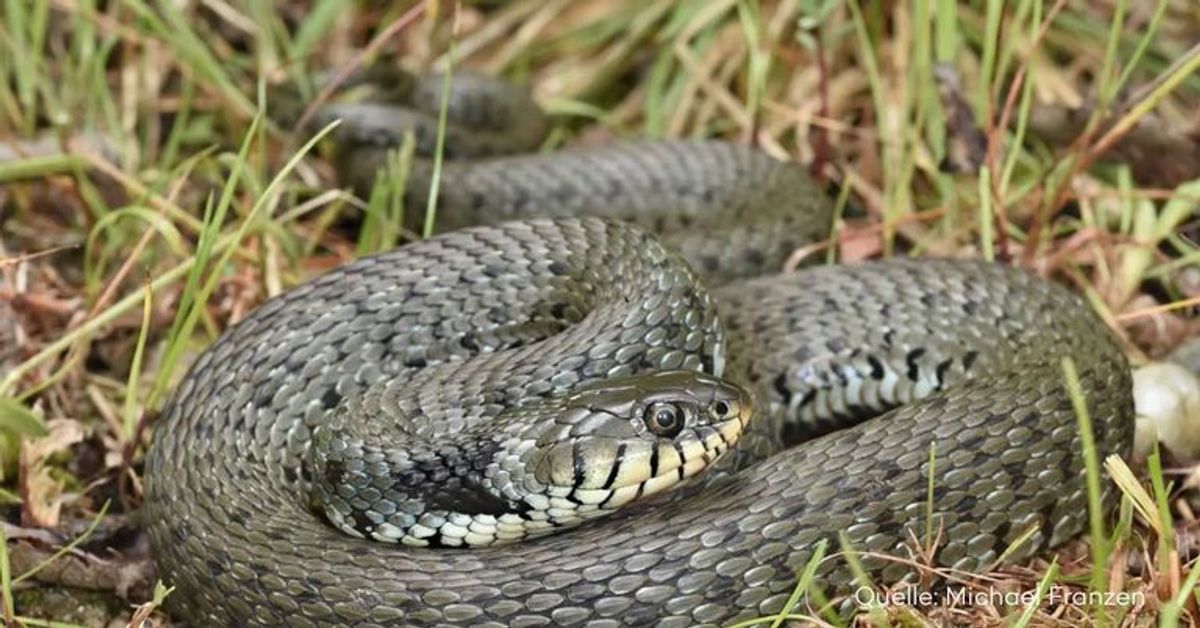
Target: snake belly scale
[{"x": 837, "y": 384}]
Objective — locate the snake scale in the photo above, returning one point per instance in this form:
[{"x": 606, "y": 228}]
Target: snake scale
[{"x": 400, "y": 389}]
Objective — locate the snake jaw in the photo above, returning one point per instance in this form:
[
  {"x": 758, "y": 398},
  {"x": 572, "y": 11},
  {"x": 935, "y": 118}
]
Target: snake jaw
[{"x": 624, "y": 443}]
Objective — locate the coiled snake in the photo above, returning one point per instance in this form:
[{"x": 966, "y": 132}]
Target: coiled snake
[{"x": 494, "y": 382}]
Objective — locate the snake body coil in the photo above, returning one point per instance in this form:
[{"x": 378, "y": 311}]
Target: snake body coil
[{"x": 575, "y": 321}]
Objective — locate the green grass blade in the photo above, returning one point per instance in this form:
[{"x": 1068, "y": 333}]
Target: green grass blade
[
  {"x": 875, "y": 612},
  {"x": 1043, "y": 586},
  {"x": 62, "y": 551},
  {"x": 1169, "y": 617},
  {"x": 1091, "y": 457},
  {"x": 435, "y": 179},
  {"x": 16, "y": 418},
  {"x": 129, "y": 412}
]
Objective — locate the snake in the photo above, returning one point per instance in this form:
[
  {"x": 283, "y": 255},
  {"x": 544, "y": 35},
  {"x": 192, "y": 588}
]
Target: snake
[{"x": 594, "y": 399}]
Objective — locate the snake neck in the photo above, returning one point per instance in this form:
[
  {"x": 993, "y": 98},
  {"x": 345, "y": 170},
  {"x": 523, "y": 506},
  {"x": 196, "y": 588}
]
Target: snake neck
[{"x": 415, "y": 491}]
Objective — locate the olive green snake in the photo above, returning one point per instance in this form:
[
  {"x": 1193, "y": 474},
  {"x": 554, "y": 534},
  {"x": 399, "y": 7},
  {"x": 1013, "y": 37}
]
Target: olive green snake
[{"x": 861, "y": 403}]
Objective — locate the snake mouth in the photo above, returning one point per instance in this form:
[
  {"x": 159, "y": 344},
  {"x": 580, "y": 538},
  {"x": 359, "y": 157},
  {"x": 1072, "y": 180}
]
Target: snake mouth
[{"x": 642, "y": 468}]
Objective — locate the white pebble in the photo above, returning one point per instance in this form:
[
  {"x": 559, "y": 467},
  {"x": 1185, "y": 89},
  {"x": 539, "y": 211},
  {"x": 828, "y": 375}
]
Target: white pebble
[{"x": 1167, "y": 399}]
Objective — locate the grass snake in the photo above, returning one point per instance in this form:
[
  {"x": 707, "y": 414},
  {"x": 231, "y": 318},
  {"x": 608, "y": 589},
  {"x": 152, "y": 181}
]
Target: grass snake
[{"x": 494, "y": 382}]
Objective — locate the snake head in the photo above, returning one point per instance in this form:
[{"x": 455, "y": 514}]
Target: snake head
[{"x": 622, "y": 439}]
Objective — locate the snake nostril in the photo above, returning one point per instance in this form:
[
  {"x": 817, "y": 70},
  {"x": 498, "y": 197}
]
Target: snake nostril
[{"x": 721, "y": 409}]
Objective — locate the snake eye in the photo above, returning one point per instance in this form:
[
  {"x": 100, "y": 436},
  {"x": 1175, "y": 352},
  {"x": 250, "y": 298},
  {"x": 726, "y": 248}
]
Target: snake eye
[{"x": 665, "y": 419}]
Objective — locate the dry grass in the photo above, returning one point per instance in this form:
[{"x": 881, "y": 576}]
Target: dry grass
[{"x": 126, "y": 248}]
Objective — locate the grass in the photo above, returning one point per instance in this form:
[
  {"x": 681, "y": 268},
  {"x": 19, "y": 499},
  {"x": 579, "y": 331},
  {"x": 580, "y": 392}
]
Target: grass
[
  {"x": 1099, "y": 540},
  {"x": 120, "y": 259},
  {"x": 436, "y": 176}
]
